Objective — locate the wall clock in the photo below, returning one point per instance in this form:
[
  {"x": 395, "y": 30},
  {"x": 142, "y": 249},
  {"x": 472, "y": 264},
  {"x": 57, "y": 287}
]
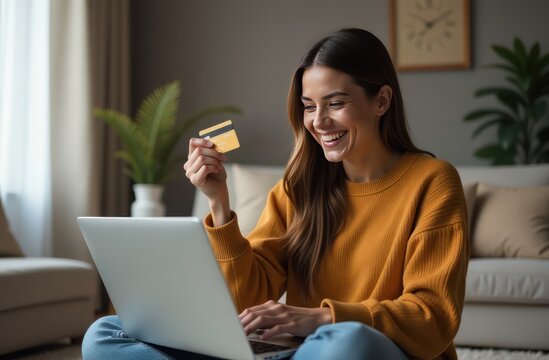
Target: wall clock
[{"x": 430, "y": 34}]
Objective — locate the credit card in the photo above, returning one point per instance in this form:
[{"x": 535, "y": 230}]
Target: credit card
[{"x": 222, "y": 135}]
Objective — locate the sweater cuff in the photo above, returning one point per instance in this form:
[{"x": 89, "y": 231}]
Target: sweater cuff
[
  {"x": 226, "y": 240},
  {"x": 343, "y": 311}
]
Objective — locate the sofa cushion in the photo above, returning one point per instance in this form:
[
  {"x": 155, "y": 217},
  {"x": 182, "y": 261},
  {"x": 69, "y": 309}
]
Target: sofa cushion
[
  {"x": 511, "y": 222},
  {"x": 470, "y": 193},
  {"x": 251, "y": 186},
  {"x": 509, "y": 281},
  {"x": 8, "y": 245},
  {"x": 34, "y": 281}
]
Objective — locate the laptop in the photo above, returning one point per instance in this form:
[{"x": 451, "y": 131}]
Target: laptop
[{"x": 167, "y": 288}]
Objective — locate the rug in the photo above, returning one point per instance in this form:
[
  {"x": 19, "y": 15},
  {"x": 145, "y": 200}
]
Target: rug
[{"x": 72, "y": 352}]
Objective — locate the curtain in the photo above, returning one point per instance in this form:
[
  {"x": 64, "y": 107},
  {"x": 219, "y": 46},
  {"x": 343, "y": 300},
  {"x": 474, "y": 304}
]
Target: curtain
[
  {"x": 58, "y": 60},
  {"x": 25, "y": 163}
]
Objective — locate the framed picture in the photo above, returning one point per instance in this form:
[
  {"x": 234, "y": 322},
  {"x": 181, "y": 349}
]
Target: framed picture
[{"x": 430, "y": 34}]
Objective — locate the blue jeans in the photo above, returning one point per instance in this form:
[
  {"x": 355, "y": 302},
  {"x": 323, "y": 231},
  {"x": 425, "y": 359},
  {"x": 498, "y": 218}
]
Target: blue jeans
[{"x": 106, "y": 339}]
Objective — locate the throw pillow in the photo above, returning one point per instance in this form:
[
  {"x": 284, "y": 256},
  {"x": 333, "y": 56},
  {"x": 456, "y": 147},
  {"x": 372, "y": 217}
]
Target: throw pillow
[
  {"x": 8, "y": 245},
  {"x": 252, "y": 185},
  {"x": 470, "y": 192},
  {"x": 511, "y": 222}
]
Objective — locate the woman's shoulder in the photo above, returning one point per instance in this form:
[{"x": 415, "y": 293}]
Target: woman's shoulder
[{"x": 427, "y": 167}]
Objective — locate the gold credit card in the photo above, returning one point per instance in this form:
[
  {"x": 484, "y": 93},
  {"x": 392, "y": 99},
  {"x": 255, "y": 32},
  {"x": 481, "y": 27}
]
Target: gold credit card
[{"x": 222, "y": 135}]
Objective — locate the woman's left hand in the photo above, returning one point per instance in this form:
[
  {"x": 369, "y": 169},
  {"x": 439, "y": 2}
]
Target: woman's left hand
[{"x": 281, "y": 318}]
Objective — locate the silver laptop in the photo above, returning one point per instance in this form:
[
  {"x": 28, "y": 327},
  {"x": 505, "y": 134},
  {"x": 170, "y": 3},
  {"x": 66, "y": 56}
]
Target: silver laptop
[{"x": 167, "y": 288}]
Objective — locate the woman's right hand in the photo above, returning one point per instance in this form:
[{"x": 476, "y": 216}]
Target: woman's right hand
[{"x": 204, "y": 168}]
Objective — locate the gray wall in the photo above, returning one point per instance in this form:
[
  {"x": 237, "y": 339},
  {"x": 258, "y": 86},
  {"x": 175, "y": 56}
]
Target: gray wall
[{"x": 244, "y": 53}]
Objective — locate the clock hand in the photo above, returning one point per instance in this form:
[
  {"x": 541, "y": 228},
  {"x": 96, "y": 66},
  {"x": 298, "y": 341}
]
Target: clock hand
[
  {"x": 431, "y": 23},
  {"x": 419, "y": 18}
]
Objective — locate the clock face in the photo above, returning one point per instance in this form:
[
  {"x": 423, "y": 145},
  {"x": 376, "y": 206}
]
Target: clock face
[{"x": 430, "y": 32}]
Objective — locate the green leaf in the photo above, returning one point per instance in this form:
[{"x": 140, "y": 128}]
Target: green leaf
[
  {"x": 489, "y": 151},
  {"x": 521, "y": 83},
  {"x": 157, "y": 115},
  {"x": 508, "y": 135},
  {"x": 501, "y": 91},
  {"x": 131, "y": 136},
  {"x": 498, "y": 155},
  {"x": 509, "y": 56},
  {"x": 537, "y": 110},
  {"x": 542, "y": 63},
  {"x": 489, "y": 124},
  {"x": 508, "y": 68},
  {"x": 521, "y": 53},
  {"x": 533, "y": 58},
  {"x": 477, "y": 114}
]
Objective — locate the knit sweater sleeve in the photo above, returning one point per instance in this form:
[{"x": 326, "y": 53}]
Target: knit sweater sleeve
[
  {"x": 424, "y": 319},
  {"x": 255, "y": 268}
]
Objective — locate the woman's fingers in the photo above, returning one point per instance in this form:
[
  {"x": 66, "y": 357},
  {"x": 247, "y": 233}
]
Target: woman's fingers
[
  {"x": 200, "y": 177},
  {"x": 201, "y": 154},
  {"x": 196, "y": 142},
  {"x": 280, "y": 318},
  {"x": 290, "y": 327}
]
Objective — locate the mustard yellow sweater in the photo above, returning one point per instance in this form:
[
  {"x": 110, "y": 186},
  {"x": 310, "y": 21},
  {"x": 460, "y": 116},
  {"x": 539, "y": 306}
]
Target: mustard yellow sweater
[{"x": 399, "y": 264}]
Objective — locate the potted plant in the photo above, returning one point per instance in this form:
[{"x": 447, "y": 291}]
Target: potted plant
[
  {"x": 149, "y": 143},
  {"x": 522, "y": 128}
]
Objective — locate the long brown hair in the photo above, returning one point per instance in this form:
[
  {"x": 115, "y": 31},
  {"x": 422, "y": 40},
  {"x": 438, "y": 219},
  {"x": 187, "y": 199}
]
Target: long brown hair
[{"x": 315, "y": 186}]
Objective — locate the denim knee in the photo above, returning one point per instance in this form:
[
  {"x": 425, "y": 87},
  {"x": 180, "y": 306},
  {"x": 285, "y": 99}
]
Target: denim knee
[
  {"x": 102, "y": 328},
  {"x": 348, "y": 340}
]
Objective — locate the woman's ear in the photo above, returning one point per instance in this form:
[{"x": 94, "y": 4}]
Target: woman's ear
[{"x": 385, "y": 95}]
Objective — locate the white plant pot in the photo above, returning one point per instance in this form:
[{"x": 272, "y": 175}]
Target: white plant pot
[{"x": 148, "y": 201}]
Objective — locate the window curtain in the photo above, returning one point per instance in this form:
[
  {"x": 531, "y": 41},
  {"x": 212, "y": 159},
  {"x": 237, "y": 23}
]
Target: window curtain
[
  {"x": 58, "y": 60},
  {"x": 25, "y": 163}
]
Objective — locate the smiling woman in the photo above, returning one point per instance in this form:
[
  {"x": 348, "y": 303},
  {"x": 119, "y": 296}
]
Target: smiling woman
[{"x": 366, "y": 233}]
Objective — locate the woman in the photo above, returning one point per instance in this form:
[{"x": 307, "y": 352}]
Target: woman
[{"x": 365, "y": 232}]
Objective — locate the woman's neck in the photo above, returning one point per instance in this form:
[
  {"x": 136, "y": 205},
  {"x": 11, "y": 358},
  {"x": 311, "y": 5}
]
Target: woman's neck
[{"x": 371, "y": 167}]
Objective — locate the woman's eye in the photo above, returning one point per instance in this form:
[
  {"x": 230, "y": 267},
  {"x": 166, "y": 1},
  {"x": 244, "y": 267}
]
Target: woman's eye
[
  {"x": 309, "y": 108},
  {"x": 336, "y": 104}
]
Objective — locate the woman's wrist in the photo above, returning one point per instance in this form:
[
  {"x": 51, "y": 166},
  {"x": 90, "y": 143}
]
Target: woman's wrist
[
  {"x": 325, "y": 316},
  {"x": 221, "y": 210}
]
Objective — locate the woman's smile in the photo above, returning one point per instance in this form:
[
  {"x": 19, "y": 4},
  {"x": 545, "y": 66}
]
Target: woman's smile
[{"x": 333, "y": 139}]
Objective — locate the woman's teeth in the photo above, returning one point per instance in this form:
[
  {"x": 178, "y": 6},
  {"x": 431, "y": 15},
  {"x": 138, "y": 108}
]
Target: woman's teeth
[{"x": 332, "y": 137}]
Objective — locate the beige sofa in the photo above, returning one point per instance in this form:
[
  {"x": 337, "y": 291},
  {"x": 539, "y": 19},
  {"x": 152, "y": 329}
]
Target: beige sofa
[
  {"x": 41, "y": 299},
  {"x": 507, "y": 299}
]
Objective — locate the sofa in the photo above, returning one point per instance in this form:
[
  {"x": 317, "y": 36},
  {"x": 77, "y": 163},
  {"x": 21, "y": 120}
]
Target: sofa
[
  {"x": 507, "y": 288},
  {"x": 42, "y": 299}
]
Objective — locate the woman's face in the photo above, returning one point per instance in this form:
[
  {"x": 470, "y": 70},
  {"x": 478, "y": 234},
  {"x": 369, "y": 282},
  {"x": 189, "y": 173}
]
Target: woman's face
[{"x": 339, "y": 115}]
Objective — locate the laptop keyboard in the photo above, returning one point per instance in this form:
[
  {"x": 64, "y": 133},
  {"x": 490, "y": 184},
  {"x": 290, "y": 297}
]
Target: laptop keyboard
[{"x": 261, "y": 347}]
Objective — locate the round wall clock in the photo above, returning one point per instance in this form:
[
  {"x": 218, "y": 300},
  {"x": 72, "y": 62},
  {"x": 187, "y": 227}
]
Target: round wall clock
[{"x": 430, "y": 34}]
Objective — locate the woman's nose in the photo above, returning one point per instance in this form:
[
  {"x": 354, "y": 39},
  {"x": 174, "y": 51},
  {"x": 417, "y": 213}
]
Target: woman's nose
[{"x": 322, "y": 118}]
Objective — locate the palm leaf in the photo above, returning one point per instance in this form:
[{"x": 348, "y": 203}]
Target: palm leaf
[
  {"x": 157, "y": 115},
  {"x": 134, "y": 169},
  {"x": 537, "y": 110},
  {"x": 502, "y": 91},
  {"x": 533, "y": 58},
  {"x": 508, "y": 135},
  {"x": 131, "y": 136},
  {"x": 489, "y": 124},
  {"x": 521, "y": 54},
  {"x": 478, "y": 114},
  {"x": 509, "y": 56}
]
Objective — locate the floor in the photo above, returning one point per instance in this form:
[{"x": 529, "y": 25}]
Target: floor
[{"x": 66, "y": 351}]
